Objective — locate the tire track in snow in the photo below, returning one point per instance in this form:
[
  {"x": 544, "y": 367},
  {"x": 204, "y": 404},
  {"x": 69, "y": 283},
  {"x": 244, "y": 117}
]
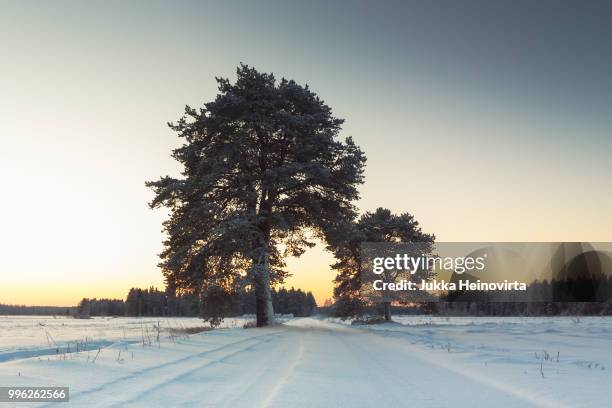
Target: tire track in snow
[
  {"x": 389, "y": 373},
  {"x": 285, "y": 377},
  {"x": 392, "y": 380},
  {"x": 156, "y": 372},
  {"x": 458, "y": 374},
  {"x": 188, "y": 372},
  {"x": 260, "y": 375}
]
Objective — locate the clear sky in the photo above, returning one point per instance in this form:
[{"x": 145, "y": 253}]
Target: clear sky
[{"x": 488, "y": 120}]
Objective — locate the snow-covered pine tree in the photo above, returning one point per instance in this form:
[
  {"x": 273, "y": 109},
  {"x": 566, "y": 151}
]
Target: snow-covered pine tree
[
  {"x": 262, "y": 164},
  {"x": 380, "y": 226}
]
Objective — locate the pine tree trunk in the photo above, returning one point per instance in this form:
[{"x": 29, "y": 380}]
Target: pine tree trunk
[
  {"x": 263, "y": 294},
  {"x": 387, "y": 311}
]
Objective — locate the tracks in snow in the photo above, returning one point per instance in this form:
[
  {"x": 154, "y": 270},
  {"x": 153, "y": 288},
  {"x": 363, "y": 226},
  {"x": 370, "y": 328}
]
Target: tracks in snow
[
  {"x": 299, "y": 367},
  {"x": 129, "y": 389}
]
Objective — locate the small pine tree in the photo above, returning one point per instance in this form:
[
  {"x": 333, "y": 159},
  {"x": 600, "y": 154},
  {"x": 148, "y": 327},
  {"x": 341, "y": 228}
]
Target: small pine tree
[{"x": 379, "y": 226}]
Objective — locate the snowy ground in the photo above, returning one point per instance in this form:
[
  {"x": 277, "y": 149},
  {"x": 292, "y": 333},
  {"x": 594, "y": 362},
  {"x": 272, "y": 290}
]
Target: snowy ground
[
  {"x": 417, "y": 362},
  {"x": 32, "y": 336}
]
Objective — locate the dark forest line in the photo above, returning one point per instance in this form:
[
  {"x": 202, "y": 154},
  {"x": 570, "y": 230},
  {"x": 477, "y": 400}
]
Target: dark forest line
[
  {"x": 153, "y": 302},
  {"x": 558, "y": 297}
]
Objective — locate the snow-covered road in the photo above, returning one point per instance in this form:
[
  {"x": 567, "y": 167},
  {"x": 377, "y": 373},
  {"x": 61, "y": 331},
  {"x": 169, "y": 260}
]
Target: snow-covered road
[
  {"x": 300, "y": 366},
  {"x": 302, "y": 363}
]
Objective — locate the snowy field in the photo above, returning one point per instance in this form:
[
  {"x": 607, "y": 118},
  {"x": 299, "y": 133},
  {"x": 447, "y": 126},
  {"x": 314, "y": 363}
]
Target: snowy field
[
  {"x": 415, "y": 362},
  {"x": 32, "y": 336}
]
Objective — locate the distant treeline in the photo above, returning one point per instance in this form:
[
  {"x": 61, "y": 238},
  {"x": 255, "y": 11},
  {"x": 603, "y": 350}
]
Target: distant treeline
[
  {"x": 141, "y": 302},
  {"x": 462, "y": 308},
  {"x": 579, "y": 296},
  {"x": 561, "y": 297},
  {"x": 22, "y": 310},
  {"x": 153, "y": 302},
  {"x": 557, "y": 290}
]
